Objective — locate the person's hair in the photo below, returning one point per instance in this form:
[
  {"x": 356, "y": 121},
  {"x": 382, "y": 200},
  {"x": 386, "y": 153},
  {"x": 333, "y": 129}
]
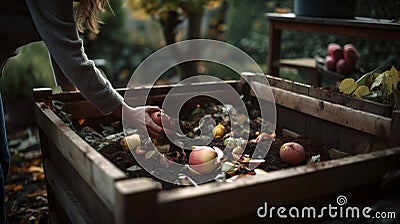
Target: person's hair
[{"x": 87, "y": 14}]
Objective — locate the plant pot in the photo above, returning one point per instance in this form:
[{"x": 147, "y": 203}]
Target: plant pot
[{"x": 333, "y": 9}]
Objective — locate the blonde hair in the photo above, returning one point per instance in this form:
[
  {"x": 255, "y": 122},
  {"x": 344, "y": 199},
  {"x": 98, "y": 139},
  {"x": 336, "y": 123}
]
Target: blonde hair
[{"x": 87, "y": 14}]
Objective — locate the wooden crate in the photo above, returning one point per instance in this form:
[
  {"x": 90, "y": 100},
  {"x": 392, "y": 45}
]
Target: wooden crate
[{"x": 84, "y": 187}]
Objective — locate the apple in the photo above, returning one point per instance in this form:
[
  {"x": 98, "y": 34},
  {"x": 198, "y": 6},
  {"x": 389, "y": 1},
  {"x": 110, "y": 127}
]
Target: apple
[
  {"x": 204, "y": 159},
  {"x": 350, "y": 53},
  {"x": 156, "y": 116},
  {"x": 292, "y": 153},
  {"x": 330, "y": 63},
  {"x": 335, "y": 50},
  {"x": 160, "y": 118},
  {"x": 344, "y": 67}
]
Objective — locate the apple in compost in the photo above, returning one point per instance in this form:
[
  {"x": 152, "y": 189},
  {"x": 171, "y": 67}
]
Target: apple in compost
[
  {"x": 204, "y": 159},
  {"x": 292, "y": 153}
]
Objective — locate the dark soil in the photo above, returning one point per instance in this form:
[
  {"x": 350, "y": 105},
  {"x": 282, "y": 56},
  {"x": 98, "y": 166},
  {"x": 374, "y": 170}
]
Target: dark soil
[{"x": 124, "y": 159}]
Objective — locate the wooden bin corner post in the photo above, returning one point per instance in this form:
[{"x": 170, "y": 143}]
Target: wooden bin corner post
[
  {"x": 394, "y": 135},
  {"x": 136, "y": 201}
]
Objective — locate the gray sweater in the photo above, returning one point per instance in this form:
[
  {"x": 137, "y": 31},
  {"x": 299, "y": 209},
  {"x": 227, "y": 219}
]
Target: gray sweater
[{"x": 53, "y": 22}]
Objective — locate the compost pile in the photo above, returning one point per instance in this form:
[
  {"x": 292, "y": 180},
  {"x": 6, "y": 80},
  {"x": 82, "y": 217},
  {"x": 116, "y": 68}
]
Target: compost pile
[{"x": 111, "y": 141}]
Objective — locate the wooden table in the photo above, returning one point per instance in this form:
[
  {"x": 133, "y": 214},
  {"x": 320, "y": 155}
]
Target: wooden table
[{"x": 359, "y": 27}]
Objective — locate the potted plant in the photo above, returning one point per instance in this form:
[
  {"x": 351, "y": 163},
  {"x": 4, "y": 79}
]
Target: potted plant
[{"x": 332, "y": 9}]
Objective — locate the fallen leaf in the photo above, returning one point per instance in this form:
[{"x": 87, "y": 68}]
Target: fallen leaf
[
  {"x": 40, "y": 192},
  {"x": 14, "y": 187},
  {"x": 35, "y": 169}
]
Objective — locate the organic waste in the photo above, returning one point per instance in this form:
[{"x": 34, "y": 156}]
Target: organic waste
[
  {"x": 292, "y": 153},
  {"x": 377, "y": 85},
  {"x": 218, "y": 151}
]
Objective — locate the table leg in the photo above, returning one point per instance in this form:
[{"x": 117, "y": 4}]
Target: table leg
[{"x": 274, "y": 49}]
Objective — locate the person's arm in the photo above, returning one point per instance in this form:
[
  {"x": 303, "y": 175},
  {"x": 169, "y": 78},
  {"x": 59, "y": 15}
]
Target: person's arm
[
  {"x": 55, "y": 23},
  {"x": 60, "y": 78}
]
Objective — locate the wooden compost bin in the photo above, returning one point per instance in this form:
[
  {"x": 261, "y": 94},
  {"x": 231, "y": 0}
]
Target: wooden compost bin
[{"x": 84, "y": 187}]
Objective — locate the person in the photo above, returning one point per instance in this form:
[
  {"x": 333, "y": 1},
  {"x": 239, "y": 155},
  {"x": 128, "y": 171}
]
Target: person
[{"x": 57, "y": 23}]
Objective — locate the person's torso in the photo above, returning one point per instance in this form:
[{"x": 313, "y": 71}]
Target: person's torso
[{"x": 16, "y": 26}]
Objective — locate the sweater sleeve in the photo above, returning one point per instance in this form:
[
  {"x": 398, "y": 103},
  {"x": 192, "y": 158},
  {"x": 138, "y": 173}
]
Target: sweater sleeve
[{"x": 55, "y": 23}]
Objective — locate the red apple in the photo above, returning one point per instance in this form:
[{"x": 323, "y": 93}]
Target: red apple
[
  {"x": 330, "y": 63},
  {"x": 204, "y": 159},
  {"x": 335, "y": 50},
  {"x": 156, "y": 116},
  {"x": 344, "y": 67},
  {"x": 160, "y": 118},
  {"x": 350, "y": 53},
  {"x": 292, "y": 153}
]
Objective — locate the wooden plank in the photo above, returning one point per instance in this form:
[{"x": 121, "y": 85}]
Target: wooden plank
[
  {"x": 301, "y": 63},
  {"x": 40, "y": 93},
  {"x": 284, "y": 84},
  {"x": 338, "y": 114},
  {"x": 394, "y": 136},
  {"x": 301, "y": 88},
  {"x": 359, "y": 104},
  {"x": 274, "y": 48},
  {"x": 95, "y": 206},
  {"x": 137, "y": 201},
  {"x": 309, "y": 181},
  {"x": 71, "y": 206},
  {"x": 353, "y": 27},
  {"x": 79, "y": 154},
  {"x": 287, "y": 119}
]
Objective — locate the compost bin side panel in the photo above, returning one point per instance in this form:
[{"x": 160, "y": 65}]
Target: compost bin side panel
[
  {"x": 243, "y": 197},
  {"x": 95, "y": 170},
  {"x": 137, "y": 201},
  {"x": 90, "y": 201},
  {"x": 394, "y": 136},
  {"x": 66, "y": 206}
]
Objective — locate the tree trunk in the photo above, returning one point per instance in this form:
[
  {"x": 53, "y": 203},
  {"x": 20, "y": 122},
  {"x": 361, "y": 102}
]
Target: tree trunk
[{"x": 194, "y": 29}]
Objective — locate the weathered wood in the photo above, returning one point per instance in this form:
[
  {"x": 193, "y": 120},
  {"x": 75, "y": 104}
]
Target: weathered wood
[
  {"x": 351, "y": 27},
  {"x": 345, "y": 116},
  {"x": 355, "y": 103},
  {"x": 94, "y": 206},
  {"x": 394, "y": 136},
  {"x": 310, "y": 182},
  {"x": 81, "y": 156},
  {"x": 137, "y": 201},
  {"x": 40, "y": 93},
  {"x": 106, "y": 196},
  {"x": 301, "y": 88},
  {"x": 74, "y": 210}
]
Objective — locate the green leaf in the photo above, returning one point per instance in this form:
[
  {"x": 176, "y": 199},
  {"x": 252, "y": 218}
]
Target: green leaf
[
  {"x": 374, "y": 95},
  {"x": 134, "y": 168},
  {"x": 392, "y": 79},
  {"x": 368, "y": 78},
  {"x": 314, "y": 159},
  {"x": 378, "y": 81}
]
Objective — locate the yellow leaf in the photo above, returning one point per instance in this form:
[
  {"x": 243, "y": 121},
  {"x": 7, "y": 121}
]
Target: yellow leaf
[
  {"x": 361, "y": 91},
  {"x": 347, "y": 86},
  {"x": 391, "y": 79}
]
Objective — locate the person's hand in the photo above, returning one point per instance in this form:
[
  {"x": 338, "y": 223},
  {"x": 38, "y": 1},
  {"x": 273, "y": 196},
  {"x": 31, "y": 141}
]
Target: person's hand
[{"x": 139, "y": 117}]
